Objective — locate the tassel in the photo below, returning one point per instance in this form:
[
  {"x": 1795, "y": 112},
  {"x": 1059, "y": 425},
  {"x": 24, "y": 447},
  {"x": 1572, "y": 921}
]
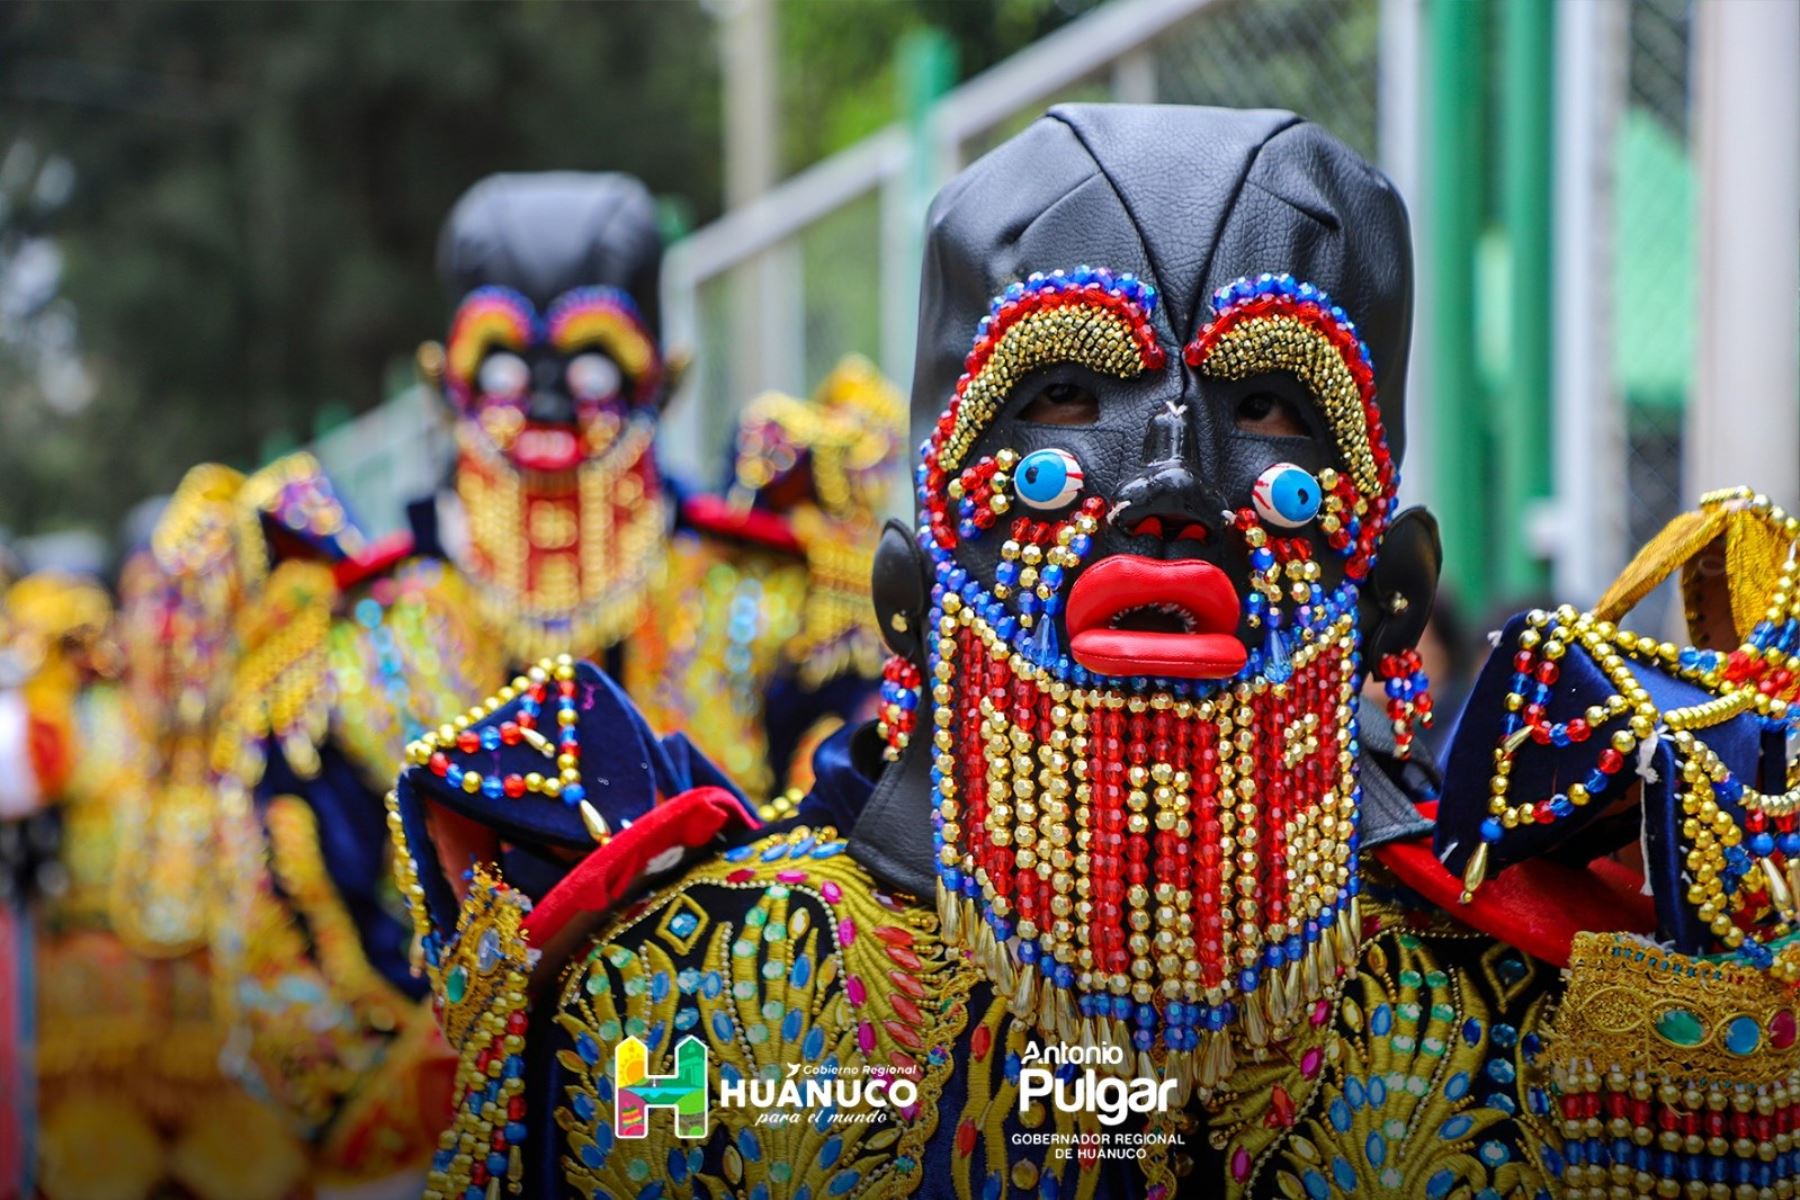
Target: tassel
[
  {"x": 596, "y": 824},
  {"x": 1066, "y": 1027},
  {"x": 1349, "y": 935},
  {"x": 1211, "y": 1071},
  {"x": 1256, "y": 1027},
  {"x": 1275, "y": 999},
  {"x": 1024, "y": 996},
  {"x": 1001, "y": 968},
  {"x": 1326, "y": 952},
  {"x": 1179, "y": 1066},
  {"x": 1779, "y": 894},
  {"x": 1475, "y": 872},
  {"x": 1277, "y": 666},
  {"x": 1409, "y": 699}
]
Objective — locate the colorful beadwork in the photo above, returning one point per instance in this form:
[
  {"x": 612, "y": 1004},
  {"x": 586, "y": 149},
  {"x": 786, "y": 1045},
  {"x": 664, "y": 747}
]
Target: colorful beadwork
[
  {"x": 489, "y": 318},
  {"x": 1743, "y": 847},
  {"x": 1087, "y": 316},
  {"x": 557, "y": 561},
  {"x": 779, "y": 953},
  {"x": 607, "y": 318},
  {"x": 899, "y": 712},
  {"x": 1276, "y": 323},
  {"x": 439, "y": 749},
  {"x": 1142, "y": 870},
  {"x": 1674, "y": 1075},
  {"x": 1409, "y": 700},
  {"x": 500, "y": 318},
  {"x": 484, "y": 971},
  {"x": 1147, "y": 863}
]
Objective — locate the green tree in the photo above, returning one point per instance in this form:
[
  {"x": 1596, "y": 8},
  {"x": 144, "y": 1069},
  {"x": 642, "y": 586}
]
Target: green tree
[{"x": 259, "y": 187}]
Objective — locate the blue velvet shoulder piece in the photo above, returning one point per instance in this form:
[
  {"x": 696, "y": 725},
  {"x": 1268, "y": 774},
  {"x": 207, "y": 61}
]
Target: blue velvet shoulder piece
[
  {"x": 504, "y": 773},
  {"x": 1632, "y": 797}
]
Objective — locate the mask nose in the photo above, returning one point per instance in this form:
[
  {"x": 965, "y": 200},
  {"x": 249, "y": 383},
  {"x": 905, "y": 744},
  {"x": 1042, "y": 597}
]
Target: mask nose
[
  {"x": 1167, "y": 499},
  {"x": 550, "y": 402}
]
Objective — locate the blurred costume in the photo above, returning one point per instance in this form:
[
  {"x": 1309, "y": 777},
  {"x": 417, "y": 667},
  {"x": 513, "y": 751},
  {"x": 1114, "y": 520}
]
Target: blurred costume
[
  {"x": 781, "y": 650},
  {"x": 727, "y": 618},
  {"x": 38, "y": 685},
  {"x": 1625, "y": 807},
  {"x": 1121, "y": 812},
  {"x": 556, "y": 530},
  {"x": 126, "y": 1038}
]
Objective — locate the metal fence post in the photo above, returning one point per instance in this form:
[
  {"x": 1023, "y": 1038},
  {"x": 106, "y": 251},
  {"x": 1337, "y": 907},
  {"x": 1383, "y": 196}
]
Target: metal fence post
[
  {"x": 1744, "y": 426},
  {"x": 927, "y": 62},
  {"x": 1527, "y": 159},
  {"x": 1589, "y": 447},
  {"x": 1454, "y": 203},
  {"x": 1398, "y": 143}
]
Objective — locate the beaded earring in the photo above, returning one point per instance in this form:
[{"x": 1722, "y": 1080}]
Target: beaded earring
[{"x": 1409, "y": 700}]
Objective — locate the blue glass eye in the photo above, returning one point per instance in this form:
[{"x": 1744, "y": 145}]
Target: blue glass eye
[
  {"x": 1286, "y": 495},
  {"x": 1047, "y": 478}
]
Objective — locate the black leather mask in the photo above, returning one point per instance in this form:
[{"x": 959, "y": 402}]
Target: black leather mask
[{"x": 1159, "y": 388}]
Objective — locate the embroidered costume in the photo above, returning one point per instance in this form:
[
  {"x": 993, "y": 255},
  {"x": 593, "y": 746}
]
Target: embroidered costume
[
  {"x": 130, "y": 1099},
  {"x": 1666, "y": 774},
  {"x": 328, "y": 654},
  {"x": 1126, "y": 802}
]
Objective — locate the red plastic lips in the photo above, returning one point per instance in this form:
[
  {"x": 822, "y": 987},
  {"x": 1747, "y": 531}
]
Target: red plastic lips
[
  {"x": 546, "y": 448},
  {"x": 1196, "y": 593}
]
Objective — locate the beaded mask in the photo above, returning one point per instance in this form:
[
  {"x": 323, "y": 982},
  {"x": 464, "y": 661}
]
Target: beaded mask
[
  {"x": 556, "y": 379},
  {"x": 1147, "y": 508},
  {"x": 1146, "y": 791}
]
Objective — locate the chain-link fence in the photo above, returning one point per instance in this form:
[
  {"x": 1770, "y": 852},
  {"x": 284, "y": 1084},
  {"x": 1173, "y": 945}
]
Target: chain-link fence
[
  {"x": 1654, "y": 258},
  {"x": 844, "y": 279}
]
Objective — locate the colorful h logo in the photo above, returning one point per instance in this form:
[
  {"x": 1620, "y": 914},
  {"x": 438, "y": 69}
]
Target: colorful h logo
[{"x": 688, "y": 1091}]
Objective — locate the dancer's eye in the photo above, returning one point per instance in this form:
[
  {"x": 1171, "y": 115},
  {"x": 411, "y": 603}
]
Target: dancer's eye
[
  {"x": 1062, "y": 404},
  {"x": 1269, "y": 415}
]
